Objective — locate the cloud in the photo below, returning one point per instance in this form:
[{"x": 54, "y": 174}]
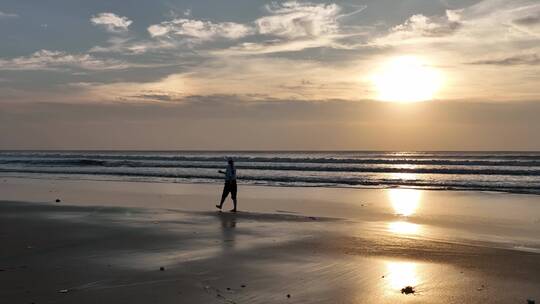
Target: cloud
[
  {"x": 53, "y": 60},
  {"x": 286, "y": 42},
  {"x": 221, "y": 76},
  {"x": 154, "y": 95},
  {"x": 275, "y": 46},
  {"x": 528, "y": 20},
  {"x": 430, "y": 27},
  {"x": 111, "y": 22},
  {"x": 129, "y": 46},
  {"x": 199, "y": 30},
  {"x": 420, "y": 26},
  {"x": 533, "y": 59},
  {"x": 294, "y": 26},
  {"x": 487, "y": 22},
  {"x": 490, "y": 32},
  {"x": 288, "y": 27},
  {"x": 272, "y": 76},
  {"x": 294, "y": 20},
  {"x": 7, "y": 15}
]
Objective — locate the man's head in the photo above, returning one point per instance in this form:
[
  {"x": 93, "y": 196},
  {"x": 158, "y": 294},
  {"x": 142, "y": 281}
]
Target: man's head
[{"x": 230, "y": 160}]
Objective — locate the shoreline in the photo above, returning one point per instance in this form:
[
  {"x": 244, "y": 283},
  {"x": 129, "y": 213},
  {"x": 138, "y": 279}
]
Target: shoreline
[{"x": 360, "y": 187}]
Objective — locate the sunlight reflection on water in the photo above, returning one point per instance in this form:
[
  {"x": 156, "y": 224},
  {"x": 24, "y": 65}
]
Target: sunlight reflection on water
[
  {"x": 403, "y": 228},
  {"x": 401, "y": 274},
  {"x": 405, "y": 201}
]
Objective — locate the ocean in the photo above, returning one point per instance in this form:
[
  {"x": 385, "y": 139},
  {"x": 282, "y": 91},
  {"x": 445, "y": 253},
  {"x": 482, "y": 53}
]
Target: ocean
[{"x": 517, "y": 172}]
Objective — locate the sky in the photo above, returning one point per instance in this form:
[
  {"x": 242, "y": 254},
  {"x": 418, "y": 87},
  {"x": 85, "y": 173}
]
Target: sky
[{"x": 270, "y": 75}]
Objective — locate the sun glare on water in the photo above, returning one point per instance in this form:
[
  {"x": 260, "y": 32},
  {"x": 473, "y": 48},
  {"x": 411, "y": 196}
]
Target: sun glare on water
[
  {"x": 401, "y": 274},
  {"x": 406, "y": 79},
  {"x": 405, "y": 201}
]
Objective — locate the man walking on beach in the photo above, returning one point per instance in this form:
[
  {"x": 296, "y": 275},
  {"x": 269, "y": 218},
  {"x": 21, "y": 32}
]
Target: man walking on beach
[{"x": 230, "y": 184}]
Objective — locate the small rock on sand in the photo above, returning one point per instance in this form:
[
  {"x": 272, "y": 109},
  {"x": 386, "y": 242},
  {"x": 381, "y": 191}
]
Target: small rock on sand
[
  {"x": 243, "y": 286},
  {"x": 288, "y": 295},
  {"x": 530, "y": 301},
  {"x": 162, "y": 268},
  {"x": 58, "y": 200},
  {"x": 408, "y": 290}
]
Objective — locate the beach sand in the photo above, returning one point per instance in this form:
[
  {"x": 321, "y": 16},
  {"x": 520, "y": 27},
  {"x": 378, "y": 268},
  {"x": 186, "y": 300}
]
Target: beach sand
[{"x": 105, "y": 242}]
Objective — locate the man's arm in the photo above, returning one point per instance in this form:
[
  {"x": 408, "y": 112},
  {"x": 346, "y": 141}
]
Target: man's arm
[{"x": 222, "y": 172}]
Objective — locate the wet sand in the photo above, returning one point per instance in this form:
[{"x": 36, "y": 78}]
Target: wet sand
[{"x": 106, "y": 242}]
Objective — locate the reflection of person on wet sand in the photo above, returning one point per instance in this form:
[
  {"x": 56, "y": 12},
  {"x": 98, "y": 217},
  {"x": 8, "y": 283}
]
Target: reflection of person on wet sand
[
  {"x": 228, "y": 224},
  {"x": 230, "y": 184}
]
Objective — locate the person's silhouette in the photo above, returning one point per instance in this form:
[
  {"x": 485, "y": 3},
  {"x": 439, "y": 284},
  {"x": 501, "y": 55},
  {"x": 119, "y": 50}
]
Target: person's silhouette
[{"x": 230, "y": 184}]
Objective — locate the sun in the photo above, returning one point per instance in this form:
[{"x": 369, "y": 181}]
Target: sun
[{"x": 406, "y": 79}]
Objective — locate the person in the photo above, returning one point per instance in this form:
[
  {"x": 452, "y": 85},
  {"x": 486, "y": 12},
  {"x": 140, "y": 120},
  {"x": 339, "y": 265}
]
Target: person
[{"x": 230, "y": 184}]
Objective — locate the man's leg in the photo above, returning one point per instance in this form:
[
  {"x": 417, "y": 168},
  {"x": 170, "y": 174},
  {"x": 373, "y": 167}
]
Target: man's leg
[
  {"x": 226, "y": 190},
  {"x": 234, "y": 189}
]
